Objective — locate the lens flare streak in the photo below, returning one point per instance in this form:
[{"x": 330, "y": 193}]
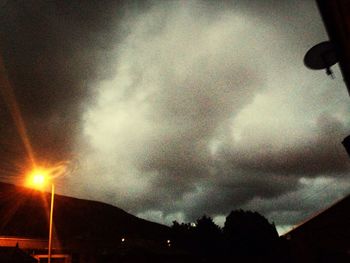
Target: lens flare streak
[{"x": 10, "y": 99}]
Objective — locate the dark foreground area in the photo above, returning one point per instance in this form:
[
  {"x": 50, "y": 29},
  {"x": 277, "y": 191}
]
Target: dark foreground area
[{"x": 89, "y": 231}]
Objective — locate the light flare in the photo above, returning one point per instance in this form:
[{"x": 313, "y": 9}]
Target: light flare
[
  {"x": 10, "y": 99},
  {"x": 40, "y": 177}
]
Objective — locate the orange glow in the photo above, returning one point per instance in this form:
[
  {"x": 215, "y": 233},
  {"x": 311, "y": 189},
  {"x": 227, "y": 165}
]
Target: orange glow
[
  {"x": 43, "y": 175},
  {"x": 38, "y": 178}
]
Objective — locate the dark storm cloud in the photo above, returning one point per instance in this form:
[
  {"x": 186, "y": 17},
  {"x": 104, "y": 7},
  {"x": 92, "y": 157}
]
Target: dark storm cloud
[
  {"x": 313, "y": 196},
  {"x": 236, "y": 190},
  {"x": 321, "y": 154},
  {"x": 52, "y": 50}
]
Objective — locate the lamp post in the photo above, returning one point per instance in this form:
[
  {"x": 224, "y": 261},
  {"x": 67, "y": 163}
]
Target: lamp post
[
  {"x": 51, "y": 218},
  {"x": 37, "y": 179}
]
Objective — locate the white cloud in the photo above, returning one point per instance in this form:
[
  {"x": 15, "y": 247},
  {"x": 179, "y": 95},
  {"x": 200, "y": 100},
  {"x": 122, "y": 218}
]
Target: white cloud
[{"x": 210, "y": 108}]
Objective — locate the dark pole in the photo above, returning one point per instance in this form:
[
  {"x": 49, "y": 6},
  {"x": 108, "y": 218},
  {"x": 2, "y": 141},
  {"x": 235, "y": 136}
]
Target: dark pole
[{"x": 336, "y": 18}]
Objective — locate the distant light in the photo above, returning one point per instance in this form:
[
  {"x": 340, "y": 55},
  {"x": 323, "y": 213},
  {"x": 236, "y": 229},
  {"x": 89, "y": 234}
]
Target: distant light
[
  {"x": 168, "y": 241},
  {"x": 123, "y": 239},
  {"x": 193, "y": 224}
]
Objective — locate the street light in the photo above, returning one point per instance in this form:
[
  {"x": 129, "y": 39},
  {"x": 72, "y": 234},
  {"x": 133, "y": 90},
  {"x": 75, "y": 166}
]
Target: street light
[{"x": 37, "y": 179}]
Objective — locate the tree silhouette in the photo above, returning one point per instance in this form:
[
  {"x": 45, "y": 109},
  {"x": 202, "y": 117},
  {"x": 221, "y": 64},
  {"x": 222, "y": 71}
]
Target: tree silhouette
[
  {"x": 183, "y": 236},
  {"x": 249, "y": 234},
  {"x": 208, "y": 236},
  {"x": 204, "y": 238},
  {"x": 246, "y": 237}
]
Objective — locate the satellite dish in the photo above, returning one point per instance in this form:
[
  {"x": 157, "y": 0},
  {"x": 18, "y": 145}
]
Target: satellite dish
[
  {"x": 321, "y": 56},
  {"x": 346, "y": 144}
]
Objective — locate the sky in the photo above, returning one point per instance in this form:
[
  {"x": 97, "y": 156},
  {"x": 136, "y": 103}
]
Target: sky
[{"x": 175, "y": 109}]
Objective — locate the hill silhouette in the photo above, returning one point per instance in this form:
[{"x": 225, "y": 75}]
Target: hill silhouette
[{"x": 25, "y": 212}]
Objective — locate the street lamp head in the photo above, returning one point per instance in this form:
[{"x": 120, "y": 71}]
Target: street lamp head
[{"x": 38, "y": 178}]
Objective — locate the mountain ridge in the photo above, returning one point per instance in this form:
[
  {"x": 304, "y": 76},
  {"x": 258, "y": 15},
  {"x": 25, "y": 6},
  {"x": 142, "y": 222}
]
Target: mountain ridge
[{"x": 25, "y": 212}]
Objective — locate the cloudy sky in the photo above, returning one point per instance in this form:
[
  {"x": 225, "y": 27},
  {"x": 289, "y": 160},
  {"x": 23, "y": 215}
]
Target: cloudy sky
[{"x": 175, "y": 109}]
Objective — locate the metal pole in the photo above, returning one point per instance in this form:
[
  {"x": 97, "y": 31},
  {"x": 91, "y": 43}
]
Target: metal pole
[
  {"x": 335, "y": 15},
  {"x": 51, "y": 217}
]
